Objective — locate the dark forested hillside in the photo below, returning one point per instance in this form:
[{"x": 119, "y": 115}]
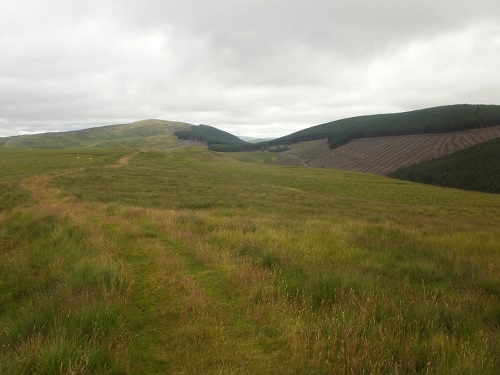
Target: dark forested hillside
[
  {"x": 216, "y": 139},
  {"x": 431, "y": 120},
  {"x": 476, "y": 168}
]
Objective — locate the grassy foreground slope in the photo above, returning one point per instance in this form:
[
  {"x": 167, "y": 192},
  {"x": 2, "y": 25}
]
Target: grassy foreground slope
[
  {"x": 186, "y": 261},
  {"x": 476, "y": 168},
  {"x": 146, "y": 133}
]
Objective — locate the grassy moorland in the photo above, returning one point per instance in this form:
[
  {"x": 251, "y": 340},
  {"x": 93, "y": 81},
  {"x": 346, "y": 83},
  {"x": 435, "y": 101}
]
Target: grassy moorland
[
  {"x": 189, "y": 261},
  {"x": 145, "y": 133}
]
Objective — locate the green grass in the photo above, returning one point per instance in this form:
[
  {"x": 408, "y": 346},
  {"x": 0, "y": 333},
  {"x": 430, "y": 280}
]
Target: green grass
[
  {"x": 62, "y": 305},
  {"x": 181, "y": 178},
  {"x": 476, "y": 168},
  {"x": 12, "y": 195},
  {"x": 146, "y": 133},
  {"x": 252, "y": 157},
  {"x": 20, "y": 162},
  {"x": 192, "y": 261}
]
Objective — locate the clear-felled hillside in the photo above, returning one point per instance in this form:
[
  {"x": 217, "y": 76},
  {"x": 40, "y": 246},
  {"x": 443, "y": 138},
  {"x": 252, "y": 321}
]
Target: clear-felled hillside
[{"x": 476, "y": 168}]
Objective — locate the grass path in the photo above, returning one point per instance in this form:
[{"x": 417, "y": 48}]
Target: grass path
[
  {"x": 125, "y": 160},
  {"x": 344, "y": 275},
  {"x": 183, "y": 313}
]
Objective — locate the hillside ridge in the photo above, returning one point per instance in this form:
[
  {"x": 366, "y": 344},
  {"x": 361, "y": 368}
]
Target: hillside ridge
[
  {"x": 144, "y": 133},
  {"x": 383, "y": 155},
  {"x": 442, "y": 119},
  {"x": 160, "y": 133}
]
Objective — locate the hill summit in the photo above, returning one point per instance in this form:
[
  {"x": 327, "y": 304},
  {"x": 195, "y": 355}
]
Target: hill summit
[{"x": 145, "y": 133}]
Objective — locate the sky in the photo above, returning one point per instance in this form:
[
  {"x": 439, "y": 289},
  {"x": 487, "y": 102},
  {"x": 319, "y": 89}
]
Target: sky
[{"x": 261, "y": 68}]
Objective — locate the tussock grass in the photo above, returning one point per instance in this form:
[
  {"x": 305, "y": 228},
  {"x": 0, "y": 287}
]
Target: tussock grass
[
  {"x": 12, "y": 195},
  {"x": 186, "y": 261},
  {"x": 62, "y": 299}
]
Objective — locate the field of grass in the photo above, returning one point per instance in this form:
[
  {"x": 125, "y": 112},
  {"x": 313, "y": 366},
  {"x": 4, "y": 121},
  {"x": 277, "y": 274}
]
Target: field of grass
[{"x": 190, "y": 261}]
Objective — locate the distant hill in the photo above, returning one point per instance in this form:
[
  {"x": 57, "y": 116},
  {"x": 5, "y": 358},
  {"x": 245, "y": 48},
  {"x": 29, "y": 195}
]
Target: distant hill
[
  {"x": 379, "y": 144},
  {"x": 475, "y": 168},
  {"x": 254, "y": 140},
  {"x": 383, "y": 155},
  {"x": 442, "y": 119},
  {"x": 146, "y": 133},
  {"x": 216, "y": 139}
]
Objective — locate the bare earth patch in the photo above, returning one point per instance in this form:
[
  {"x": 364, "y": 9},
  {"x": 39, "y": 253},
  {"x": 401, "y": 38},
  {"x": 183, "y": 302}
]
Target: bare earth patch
[
  {"x": 184, "y": 143},
  {"x": 383, "y": 155}
]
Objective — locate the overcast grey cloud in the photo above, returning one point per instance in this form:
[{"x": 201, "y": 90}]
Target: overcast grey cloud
[{"x": 260, "y": 68}]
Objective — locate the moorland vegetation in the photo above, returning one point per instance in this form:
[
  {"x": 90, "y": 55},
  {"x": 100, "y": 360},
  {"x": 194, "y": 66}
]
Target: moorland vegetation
[
  {"x": 191, "y": 261},
  {"x": 146, "y": 133}
]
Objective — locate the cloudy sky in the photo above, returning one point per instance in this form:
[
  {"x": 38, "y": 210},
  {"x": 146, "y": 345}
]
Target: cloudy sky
[{"x": 255, "y": 68}]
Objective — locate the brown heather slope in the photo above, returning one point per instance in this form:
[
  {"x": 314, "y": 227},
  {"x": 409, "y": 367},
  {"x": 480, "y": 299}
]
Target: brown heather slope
[{"x": 383, "y": 155}]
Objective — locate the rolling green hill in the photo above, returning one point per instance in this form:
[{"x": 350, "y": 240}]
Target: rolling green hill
[
  {"x": 475, "y": 168},
  {"x": 156, "y": 133},
  {"x": 146, "y": 133}
]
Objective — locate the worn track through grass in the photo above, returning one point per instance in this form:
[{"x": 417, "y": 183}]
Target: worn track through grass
[
  {"x": 293, "y": 270},
  {"x": 183, "y": 312}
]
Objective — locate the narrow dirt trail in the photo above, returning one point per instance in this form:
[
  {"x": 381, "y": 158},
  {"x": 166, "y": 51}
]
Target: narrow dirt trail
[
  {"x": 125, "y": 160},
  {"x": 39, "y": 186},
  {"x": 301, "y": 161}
]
